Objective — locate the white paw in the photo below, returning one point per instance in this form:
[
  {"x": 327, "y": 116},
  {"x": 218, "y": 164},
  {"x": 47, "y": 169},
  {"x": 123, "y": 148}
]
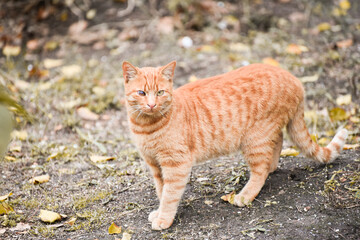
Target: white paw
[
  {"x": 242, "y": 201},
  {"x": 153, "y": 215},
  {"x": 160, "y": 223}
]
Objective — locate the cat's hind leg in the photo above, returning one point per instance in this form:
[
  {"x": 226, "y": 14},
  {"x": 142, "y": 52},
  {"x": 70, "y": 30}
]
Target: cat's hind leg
[
  {"x": 259, "y": 151},
  {"x": 277, "y": 151}
]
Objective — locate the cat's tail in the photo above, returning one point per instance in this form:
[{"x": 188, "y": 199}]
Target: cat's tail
[{"x": 300, "y": 136}]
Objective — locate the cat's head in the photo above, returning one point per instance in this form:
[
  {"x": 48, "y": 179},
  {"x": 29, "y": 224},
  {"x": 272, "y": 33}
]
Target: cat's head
[{"x": 149, "y": 90}]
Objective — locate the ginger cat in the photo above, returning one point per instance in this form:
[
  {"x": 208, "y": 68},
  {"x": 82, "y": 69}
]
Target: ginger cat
[{"x": 244, "y": 109}]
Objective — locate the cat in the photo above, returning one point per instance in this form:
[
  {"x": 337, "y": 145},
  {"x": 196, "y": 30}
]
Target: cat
[{"x": 244, "y": 109}]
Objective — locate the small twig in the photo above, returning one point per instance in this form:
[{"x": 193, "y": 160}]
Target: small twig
[{"x": 130, "y": 7}]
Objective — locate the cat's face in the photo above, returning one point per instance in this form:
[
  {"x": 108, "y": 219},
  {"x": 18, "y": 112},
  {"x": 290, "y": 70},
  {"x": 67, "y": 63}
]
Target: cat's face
[{"x": 148, "y": 90}]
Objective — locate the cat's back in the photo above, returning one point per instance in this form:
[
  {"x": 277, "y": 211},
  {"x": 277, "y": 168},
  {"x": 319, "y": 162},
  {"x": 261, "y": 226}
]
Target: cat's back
[{"x": 249, "y": 78}]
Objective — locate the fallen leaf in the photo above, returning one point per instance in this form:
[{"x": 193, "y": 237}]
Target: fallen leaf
[
  {"x": 351, "y": 146},
  {"x": 99, "y": 91},
  {"x": 71, "y": 221},
  {"x": 323, "y": 141},
  {"x": 270, "y": 61},
  {"x": 343, "y": 99},
  {"x": 338, "y": 114},
  {"x": 192, "y": 78},
  {"x": 52, "y": 63},
  {"x": 344, "y": 43},
  {"x": 40, "y": 179},
  {"x": 323, "y": 27},
  {"x": 100, "y": 159},
  {"x": 91, "y": 14},
  {"x": 10, "y": 158},
  {"x": 114, "y": 229},
  {"x": 126, "y": 236},
  {"x": 21, "y": 135},
  {"x": 166, "y": 25},
  {"x": 52, "y": 156},
  {"x": 293, "y": 49},
  {"x": 9, "y": 50},
  {"x": 307, "y": 79},
  {"x": 78, "y": 27},
  {"x": 51, "y": 45},
  {"x": 32, "y": 44},
  {"x": 71, "y": 71},
  {"x": 20, "y": 227},
  {"x": 2, "y": 230},
  {"x": 229, "y": 197},
  {"x": 355, "y": 119},
  {"x": 16, "y": 148},
  {"x": 86, "y": 114},
  {"x": 4, "y": 197},
  {"x": 344, "y": 4},
  {"x": 49, "y": 216},
  {"x": 21, "y": 84},
  {"x": 289, "y": 152},
  {"x": 5, "y": 208}
]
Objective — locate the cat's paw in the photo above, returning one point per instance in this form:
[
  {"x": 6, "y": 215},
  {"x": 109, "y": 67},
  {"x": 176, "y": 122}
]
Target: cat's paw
[
  {"x": 242, "y": 201},
  {"x": 153, "y": 215},
  {"x": 160, "y": 223}
]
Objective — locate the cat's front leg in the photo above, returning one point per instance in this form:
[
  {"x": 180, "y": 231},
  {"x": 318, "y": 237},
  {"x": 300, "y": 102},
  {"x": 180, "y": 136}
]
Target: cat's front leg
[{"x": 175, "y": 177}]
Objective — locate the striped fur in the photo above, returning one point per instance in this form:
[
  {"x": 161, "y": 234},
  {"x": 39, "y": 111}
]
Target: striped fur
[{"x": 241, "y": 110}]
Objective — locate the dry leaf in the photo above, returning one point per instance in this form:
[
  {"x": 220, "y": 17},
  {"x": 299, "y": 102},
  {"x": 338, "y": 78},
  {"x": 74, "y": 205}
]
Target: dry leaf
[
  {"x": 192, "y": 78},
  {"x": 4, "y": 197},
  {"x": 91, "y": 14},
  {"x": 5, "y": 208},
  {"x": 100, "y": 159},
  {"x": 86, "y": 114},
  {"x": 345, "y": 4},
  {"x": 20, "y": 227},
  {"x": 323, "y": 27},
  {"x": 338, "y": 114},
  {"x": 271, "y": 61},
  {"x": 71, "y": 221},
  {"x": 166, "y": 25},
  {"x": 343, "y": 99},
  {"x": 99, "y": 91},
  {"x": 11, "y": 50},
  {"x": 229, "y": 197},
  {"x": 51, "y": 63},
  {"x": 71, "y": 71},
  {"x": 289, "y": 152},
  {"x": 126, "y": 236},
  {"x": 40, "y": 179},
  {"x": 114, "y": 229},
  {"x": 351, "y": 146},
  {"x": 344, "y": 43},
  {"x": 52, "y": 156},
  {"x": 323, "y": 141},
  {"x": 32, "y": 44},
  {"x": 49, "y": 216},
  {"x": 21, "y": 84},
  {"x": 78, "y": 27},
  {"x": 21, "y": 135},
  {"x": 51, "y": 45},
  {"x": 307, "y": 79},
  {"x": 293, "y": 49},
  {"x": 10, "y": 158}
]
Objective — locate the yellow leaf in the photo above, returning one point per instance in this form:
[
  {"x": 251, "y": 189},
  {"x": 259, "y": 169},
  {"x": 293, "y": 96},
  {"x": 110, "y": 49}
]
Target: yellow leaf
[
  {"x": 86, "y": 114},
  {"x": 343, "y": 99},
  {"x": 114, "y": 229},
  {"x": 126, "y": 236},
  {"x": 271, "y": 61},
  {"x": 5, "y": 208},
  {"x": 207, "y": 49},
  {"x": 71, "y": 71},
  {"x": 351, "y": 146},
  {"x": 52, "y": 63},
  {"x": 293, "y": 49},
  {"x": 40, "y": 179},
  {"x": 11, "y": 50},
  {"x": 289, "y": 152},
  {"x": 100, "y": 159},
  {"x": 323, "y": 141},
  {"x": 49, "y": 216},
  {"x": 10, "y": 158},
  {"x": 21, "y": 135},
  {"x": 345, "y": 4},
  {"x": 229, "y": 197},
  {"x": 338, "y": 114},
  {"x": 71, "y": 221},
  {"x": 51, "y": 45},
  {"x": 307, "y": 79},
  {"x": 355, "y": 119},
  {"x": 314, "y": 137},
  {"x": 192, "y": 78},
  {"x": 323, "y": 27},
  {"x": 3, "y": 198},
  {"x": 52, "y": 156}
]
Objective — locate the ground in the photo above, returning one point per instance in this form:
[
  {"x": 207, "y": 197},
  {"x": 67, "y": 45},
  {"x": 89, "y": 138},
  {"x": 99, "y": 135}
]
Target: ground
[{"x": 63, "y": 64}]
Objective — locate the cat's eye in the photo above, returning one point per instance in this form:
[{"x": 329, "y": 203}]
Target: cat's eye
[
  {"x": 141, "y": 93},
  {"x": 160, "y": 93}
]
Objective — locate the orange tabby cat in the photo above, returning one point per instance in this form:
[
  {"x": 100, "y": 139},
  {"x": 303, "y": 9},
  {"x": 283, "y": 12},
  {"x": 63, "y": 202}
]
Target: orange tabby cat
[{"x": 244, "y": 109}]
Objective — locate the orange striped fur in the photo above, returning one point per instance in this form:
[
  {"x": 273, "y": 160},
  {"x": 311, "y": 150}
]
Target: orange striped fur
[{"x": 244, "y": 109}]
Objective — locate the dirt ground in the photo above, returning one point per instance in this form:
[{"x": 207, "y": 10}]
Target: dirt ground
[{"x": 318, "y": 41}]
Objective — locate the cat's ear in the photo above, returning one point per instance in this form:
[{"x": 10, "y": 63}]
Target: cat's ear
[
  {"x": 129, "y": 71},
  {"x": 168, "y": 70}
]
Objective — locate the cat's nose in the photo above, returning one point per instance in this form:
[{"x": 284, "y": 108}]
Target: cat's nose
[{"x": 151, "y": 106}]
